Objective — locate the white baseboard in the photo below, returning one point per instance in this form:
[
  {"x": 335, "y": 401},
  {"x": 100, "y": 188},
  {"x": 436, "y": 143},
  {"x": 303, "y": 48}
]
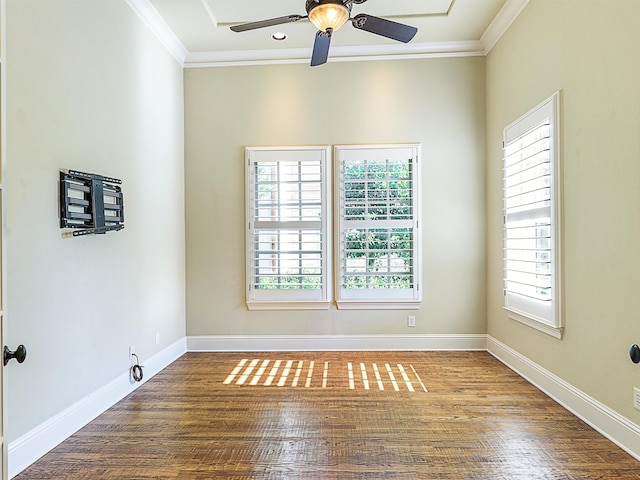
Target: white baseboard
[
  {"x": 314, "y": 343},
  {"x": 601, "y": 418},
  {"x": 34, "y": 444}
]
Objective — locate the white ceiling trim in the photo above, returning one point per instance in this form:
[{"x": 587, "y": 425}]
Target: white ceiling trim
[
  {"x": 501, "y": 23},
  {"x": 338, "y": 54},
  {"x": 150, "y": 16},
  {"x": 152, "y": 19},
  {"x": 207, "y": 9}
]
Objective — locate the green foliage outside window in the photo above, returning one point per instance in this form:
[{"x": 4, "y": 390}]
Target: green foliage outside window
[{"x": 378, "y": 190}]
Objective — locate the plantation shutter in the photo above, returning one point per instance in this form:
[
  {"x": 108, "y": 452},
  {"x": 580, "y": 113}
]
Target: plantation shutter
[
  {"x": 527, "y": 184},
  {"x": 379, "y": 239},
  {"x": 288, "y": 238},
  {"x": 531, "y": 247}
]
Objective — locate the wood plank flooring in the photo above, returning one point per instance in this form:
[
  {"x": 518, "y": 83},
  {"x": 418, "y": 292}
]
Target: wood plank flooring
[{"x": 474, "y": 419}]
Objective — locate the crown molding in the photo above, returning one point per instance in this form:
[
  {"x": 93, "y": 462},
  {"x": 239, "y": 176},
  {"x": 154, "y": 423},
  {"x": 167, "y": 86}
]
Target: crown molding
[
  {"x": 501, "y": 23},
  {"x": 152, "y": 19},
  {"x": 471, "y": 48}
]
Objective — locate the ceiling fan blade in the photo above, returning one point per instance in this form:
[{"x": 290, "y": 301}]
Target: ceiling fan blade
[
  {"x": 386, "y": 28},
  {"x": 321, "y": 48},
  {"x": 267, "y": 23}
]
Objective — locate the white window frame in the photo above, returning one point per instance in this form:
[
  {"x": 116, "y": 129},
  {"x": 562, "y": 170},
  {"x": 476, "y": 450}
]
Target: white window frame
[
  {"x": 377, "y": 298},
  {"x": 286, "y": 298},
  {"x": 543, "y": 315}
]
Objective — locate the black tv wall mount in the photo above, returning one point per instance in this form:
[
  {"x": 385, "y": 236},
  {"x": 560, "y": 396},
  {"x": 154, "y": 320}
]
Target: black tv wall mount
[{"x": 90, "y": 203}]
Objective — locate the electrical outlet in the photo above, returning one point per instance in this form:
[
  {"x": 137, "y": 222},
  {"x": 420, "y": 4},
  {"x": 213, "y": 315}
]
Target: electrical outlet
[
  {"x": 636, "y": 397},
  {"x": 411, "y": 321},
  {"x": 132, "y": 351},
  {"x": 157, "y": 338}
]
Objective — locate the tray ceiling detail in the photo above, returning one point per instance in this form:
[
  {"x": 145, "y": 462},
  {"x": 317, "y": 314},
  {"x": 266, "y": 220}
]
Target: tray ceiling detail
[{"x": 197, "y": 32}]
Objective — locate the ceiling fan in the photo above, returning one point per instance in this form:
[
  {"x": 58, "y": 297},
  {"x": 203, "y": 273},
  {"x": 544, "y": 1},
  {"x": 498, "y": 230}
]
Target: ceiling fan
[{"x": 328, "y": 16}]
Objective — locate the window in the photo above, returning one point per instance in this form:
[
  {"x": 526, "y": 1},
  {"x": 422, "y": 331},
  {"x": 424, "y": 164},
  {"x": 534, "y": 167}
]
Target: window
[
  {"x": 378, "y": 226},
  {"x": 531, "y": 162},
  {"x": 288, "y": 238}
]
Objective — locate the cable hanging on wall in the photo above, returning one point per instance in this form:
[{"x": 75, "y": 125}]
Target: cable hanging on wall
[{"x": 136, "y": 370}]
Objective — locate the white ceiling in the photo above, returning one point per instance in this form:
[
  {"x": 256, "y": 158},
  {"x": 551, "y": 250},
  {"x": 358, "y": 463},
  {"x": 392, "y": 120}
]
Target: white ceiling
[{"x": 197, "y": 31}]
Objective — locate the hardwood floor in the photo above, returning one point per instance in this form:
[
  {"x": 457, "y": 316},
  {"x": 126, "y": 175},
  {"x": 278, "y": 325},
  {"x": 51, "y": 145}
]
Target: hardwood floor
[{"x": 336, "y": 416}]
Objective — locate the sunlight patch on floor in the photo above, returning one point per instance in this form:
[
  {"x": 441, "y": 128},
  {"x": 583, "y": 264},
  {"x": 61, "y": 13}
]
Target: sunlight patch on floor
[{"x": 304, "y": 374}]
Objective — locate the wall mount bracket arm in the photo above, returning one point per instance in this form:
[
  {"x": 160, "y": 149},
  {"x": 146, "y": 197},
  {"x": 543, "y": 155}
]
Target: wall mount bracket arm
[{"x": 90, "y": 203}]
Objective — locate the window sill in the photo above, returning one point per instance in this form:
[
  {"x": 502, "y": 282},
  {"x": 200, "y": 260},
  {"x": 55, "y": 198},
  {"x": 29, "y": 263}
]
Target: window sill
[
  {"x": 302, "y": 305},
  {"x": 554, "y": 331},
  {"x": 384, "y": 305}
]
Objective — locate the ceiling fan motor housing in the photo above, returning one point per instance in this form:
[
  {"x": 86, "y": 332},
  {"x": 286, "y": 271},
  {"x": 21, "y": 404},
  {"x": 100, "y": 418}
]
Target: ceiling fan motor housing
[{"x": 311, "y": 4}]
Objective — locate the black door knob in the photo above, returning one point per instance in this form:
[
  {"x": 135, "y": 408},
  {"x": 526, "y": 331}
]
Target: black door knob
[
  {"x": 634, "y": 353},
  {"x": 20, "y": 354}
]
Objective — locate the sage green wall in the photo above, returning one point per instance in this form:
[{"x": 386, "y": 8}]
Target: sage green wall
[
  {"x": 89, "y": 88},
  {"x": 589, "y": 50},
  {"x": 437, "y": 102}
]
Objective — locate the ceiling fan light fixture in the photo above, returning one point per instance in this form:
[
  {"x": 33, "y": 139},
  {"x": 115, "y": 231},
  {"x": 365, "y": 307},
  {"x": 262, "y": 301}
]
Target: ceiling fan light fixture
[{"x": 329, "y": 15}]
